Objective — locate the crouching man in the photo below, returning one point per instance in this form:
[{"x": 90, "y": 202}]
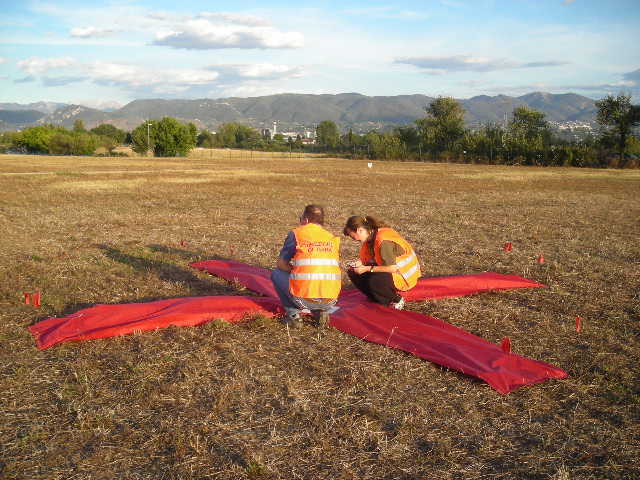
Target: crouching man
[{"x": 307, "y": 276}]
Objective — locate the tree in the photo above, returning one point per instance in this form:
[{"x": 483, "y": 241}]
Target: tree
[
  {"x": 233, "y": 135},
  {"x": 385, "y": 146},
  {"x": 443, "y": 126},
  {"x": 528, "y": 123},
  {"x": 617, "y": 118},
  {"x": 528, "y": 134},
  {"x": 78, "y": 126},
  {"x": 141, "y": 139},
  {"x": 108, "y": 130},
  {"x": 36, "y": 139},
  {"x": 327, "y": 134},
  {"x": 169, "y": 137},
  {"x": 206, "y": 139}
]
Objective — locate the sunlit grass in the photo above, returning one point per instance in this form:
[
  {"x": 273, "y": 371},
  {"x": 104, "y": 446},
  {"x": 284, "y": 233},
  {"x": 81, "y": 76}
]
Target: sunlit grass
[{"x": 255, "y": 401}]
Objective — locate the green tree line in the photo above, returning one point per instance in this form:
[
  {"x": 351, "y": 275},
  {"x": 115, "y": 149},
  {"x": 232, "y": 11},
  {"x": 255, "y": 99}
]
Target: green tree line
[
  {"x": 440, "y": 135},
  {"x": 527, "y": 139},
  {"x": 55, "y": 139}
]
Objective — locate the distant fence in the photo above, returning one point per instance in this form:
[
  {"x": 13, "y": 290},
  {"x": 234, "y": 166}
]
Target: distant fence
[{"x": 248, "y": 155}]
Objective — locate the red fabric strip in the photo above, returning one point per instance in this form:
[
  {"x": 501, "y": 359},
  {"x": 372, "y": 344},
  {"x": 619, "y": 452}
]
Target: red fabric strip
[{"x": 418, "y": 334}]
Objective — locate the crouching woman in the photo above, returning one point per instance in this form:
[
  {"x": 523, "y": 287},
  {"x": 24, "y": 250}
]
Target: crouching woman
[{"x": 387, "y": 265}]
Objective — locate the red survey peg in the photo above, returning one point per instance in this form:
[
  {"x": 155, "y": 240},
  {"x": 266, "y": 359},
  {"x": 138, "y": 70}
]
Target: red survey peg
[
  {"x": 183, "y": 243},
  {"x": 36, "y": 299},
  {"x": 27, "y": 298},
  {"x": 508, "y": 247},
  {"x": 540, "y": 259},
  {"x": 578, "y": 324},
  {"x": 506, "y": 345}
]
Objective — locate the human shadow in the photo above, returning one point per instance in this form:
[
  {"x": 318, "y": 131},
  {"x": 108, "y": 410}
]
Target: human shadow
[
  {"x": 172, "y": 273},
  {"x": 166, "y": 271},
  {"x": 188, "y": 255}
]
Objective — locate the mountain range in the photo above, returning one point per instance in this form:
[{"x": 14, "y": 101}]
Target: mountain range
[{"x": 293, "y": 111}]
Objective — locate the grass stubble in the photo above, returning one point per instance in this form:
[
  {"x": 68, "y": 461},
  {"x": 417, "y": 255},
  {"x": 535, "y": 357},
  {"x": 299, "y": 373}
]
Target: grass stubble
[{"x": 255, "y": 401}]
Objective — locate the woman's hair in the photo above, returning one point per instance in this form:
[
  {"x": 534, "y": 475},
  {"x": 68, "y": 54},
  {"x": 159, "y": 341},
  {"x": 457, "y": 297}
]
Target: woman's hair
[{"x": 372, "y": 224}]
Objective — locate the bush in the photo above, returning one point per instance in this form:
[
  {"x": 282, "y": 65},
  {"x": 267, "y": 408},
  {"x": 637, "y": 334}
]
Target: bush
[{"x": 169, "y": 137}]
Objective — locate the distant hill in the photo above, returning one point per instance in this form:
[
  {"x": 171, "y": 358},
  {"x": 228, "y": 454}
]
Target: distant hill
[
  {"x": 20, "y": 117},
  {"x": 44, "y": 107},
  {"x": 67, "y": 115},
  {"x": 348, "y": 110}
]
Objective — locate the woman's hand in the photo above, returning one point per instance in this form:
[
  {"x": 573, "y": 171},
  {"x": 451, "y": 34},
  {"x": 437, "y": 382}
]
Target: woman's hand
[
  {"x": 353, "y": 264},
  {"x": 360, "y": 269}
]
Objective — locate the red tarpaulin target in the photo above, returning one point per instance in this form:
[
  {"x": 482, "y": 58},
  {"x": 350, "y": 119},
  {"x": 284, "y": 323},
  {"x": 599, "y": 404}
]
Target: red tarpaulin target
[{"x": 421, "y": 335}]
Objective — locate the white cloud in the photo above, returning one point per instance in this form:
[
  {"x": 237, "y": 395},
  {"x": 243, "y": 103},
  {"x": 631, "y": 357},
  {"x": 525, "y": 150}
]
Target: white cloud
[
  {"x": 134, "y": 77},
  {"x": 91, "y": 31},
  {"x": 36, "y": 65},
  {"x": 257, "y": 71},
  {"x": 3, "y": 60},
  {"x": 249, "y": 89},
  {"x": 161, "y": 81},
  {"x": 467, "y": 63},
  {"x": 202, "y": 34}
]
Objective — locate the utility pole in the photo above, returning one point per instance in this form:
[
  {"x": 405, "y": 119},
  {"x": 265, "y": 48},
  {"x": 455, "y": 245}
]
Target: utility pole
[{"x": 148, "y": 143}]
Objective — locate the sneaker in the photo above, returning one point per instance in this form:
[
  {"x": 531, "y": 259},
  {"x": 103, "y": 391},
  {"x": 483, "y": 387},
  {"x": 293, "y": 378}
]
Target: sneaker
[
  {"x": 321, "y": 318},
  {"x": 399, "y": 305}
]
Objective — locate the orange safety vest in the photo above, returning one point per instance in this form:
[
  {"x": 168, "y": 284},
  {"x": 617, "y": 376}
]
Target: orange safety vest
[
  {"x": 316, "y": 266},
  {"x": 409, "y": 272}
]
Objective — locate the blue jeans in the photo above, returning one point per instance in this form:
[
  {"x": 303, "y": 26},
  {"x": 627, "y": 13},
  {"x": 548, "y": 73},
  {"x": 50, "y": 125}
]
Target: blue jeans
[{"x": 293, "y": 306}]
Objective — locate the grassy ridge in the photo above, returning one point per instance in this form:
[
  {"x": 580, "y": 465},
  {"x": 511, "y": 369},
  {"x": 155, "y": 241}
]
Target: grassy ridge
[{"x": 250, "y": 400}]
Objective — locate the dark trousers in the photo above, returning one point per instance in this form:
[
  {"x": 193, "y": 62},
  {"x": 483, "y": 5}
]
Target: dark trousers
[{"x": 377, "y": 286}]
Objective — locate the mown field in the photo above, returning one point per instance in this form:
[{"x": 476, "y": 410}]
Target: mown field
[{"x": 253, "y": 401}]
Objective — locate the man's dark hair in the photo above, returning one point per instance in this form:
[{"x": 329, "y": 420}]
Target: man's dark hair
[{"x": 314, "y": 213}]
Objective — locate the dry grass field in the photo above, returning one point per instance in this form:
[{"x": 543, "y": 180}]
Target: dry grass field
[{"x": 252, "y": 401}]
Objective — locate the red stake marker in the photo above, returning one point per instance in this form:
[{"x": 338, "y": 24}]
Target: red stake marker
[
  {"x": 508, "y": 247},
  {"x": 506, "y": 345},
  {"x": 541, "y": 259},
  {"x": 578, "y": 324},
  {"x": 27, "y": 298},
  {"x": 183, "y": 243},
  {"x": 36, "y": 299}
]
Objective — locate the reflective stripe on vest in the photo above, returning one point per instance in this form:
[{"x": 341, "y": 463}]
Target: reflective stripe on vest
[
  {"x": 315, "y": 261},
  {"x": 315, "y": 276},
  {"x": 406, "y": 261},
  {"x": 411, "y": 271}
]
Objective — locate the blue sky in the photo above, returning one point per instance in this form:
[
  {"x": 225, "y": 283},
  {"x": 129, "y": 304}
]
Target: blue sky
[{"x": 105, "y": 53}]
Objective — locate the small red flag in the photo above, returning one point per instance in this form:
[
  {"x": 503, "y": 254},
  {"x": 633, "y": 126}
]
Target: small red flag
[
  {"x": 36, "y": 299},
  {"x": 27, "y": 298},
  {"x": 540, "y": 259},
  {"x": 506, "y": 345},
  {"x": 578, "y": 324},
  {"x": 508, "y": 247}
]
